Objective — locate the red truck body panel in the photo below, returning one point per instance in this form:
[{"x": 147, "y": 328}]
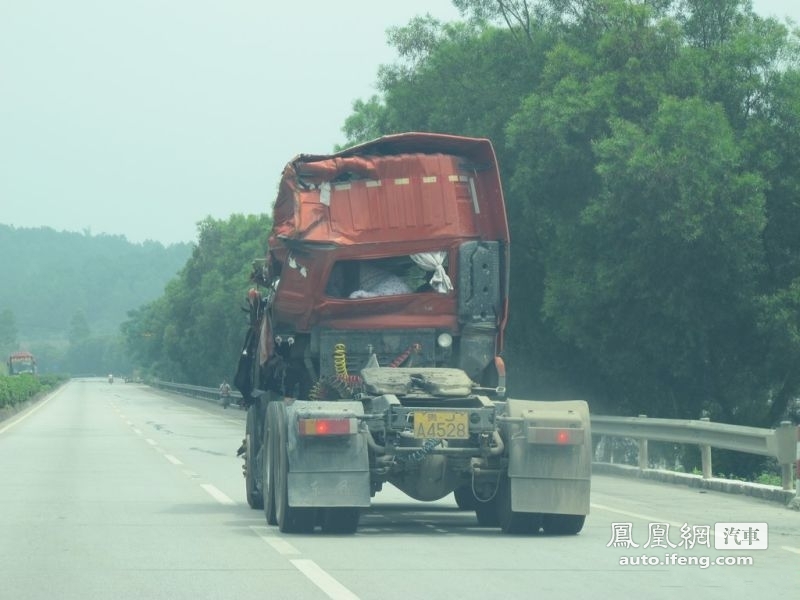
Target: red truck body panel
[{"x": 400, "y": 194}]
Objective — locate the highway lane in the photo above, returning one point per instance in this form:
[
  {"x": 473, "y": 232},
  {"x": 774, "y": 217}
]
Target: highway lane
[{"x": 125, "y": 492}]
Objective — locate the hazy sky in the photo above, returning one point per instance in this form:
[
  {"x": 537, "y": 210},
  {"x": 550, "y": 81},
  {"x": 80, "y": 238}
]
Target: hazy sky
[{"x": 143, "y": 117}]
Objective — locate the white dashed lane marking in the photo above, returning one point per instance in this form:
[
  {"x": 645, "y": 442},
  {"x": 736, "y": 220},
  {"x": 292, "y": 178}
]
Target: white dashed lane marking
[
  {"x": 217, "y": 494},
  {"x": 324, "y": 581},
  {"x": 280, "y": 545},
  {"x": 311, "y": 570}
]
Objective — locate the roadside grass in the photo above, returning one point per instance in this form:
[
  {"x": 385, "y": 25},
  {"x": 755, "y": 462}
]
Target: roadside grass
[{"x": 17, "y": 389}]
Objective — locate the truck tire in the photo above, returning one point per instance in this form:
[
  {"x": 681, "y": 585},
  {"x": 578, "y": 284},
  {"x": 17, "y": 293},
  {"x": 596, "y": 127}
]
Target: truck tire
[
  {"x": 486, "y": 512},
  {"x": 465, "y": 499},
  {"x": 290, "y": 519},
  {"x": 510, "y": 521},
  {"x": 563, "y": 524},
  {"x": 340, "y": 520},
  {"x": 268, "y": 462},
  {"x": 252, "y": 469}
]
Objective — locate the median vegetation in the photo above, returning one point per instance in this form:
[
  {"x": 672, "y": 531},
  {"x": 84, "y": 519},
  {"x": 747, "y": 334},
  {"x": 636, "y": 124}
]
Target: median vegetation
[{"x": 17, "y": 389}]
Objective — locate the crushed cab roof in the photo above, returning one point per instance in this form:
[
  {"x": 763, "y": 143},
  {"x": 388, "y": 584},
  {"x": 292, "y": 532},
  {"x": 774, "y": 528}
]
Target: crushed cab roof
[{"x": 391, "y": 188}]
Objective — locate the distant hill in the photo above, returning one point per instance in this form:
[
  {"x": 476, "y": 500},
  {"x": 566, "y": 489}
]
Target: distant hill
[{"x": 48, "y": 276}]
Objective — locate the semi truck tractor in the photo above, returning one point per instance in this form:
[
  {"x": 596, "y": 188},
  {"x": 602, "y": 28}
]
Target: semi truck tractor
[{"x": 374, "y": 351}]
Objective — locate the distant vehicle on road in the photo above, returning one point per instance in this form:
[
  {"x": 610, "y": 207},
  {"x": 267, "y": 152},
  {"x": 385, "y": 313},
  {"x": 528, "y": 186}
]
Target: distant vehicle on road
[{"x": 21, "y": 362}]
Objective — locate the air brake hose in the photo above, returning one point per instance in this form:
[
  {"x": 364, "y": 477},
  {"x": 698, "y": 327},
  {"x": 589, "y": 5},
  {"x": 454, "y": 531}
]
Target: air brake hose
[{"x": 413, "y": 348}]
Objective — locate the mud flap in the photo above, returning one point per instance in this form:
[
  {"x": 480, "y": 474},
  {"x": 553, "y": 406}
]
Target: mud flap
[
  {"x": 327, "y": 470},
  {"x": 550, "y": 456}
]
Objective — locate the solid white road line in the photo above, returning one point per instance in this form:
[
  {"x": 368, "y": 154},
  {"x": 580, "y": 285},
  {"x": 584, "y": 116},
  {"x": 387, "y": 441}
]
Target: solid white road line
[
  {"x": 648, "y": 518},
  {"x": 16, "y": 422}
]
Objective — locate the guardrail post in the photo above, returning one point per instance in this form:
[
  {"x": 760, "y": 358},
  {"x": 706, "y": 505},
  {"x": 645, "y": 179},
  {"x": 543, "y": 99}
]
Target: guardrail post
[
  {"x": 795, "y": 502},
  {"x": 786, "y": 446},
  {"x": 643, "y": 457},
  {"x": 705, "y": 456}
]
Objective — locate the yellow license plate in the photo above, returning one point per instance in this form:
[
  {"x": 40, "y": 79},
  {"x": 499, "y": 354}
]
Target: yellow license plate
[{"x": 451, "y": 425}]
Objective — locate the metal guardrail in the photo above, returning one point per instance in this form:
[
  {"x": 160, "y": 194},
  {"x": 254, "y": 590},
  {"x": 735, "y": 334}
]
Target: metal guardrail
[
  {"x": 782, "y": 443},
  {"x": 195, "y": 391}
]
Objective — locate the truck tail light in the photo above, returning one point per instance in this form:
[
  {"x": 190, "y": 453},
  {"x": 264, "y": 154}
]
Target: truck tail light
[
  {"x": 557, "y": 436},
  {"x": 320, "y": 427}
]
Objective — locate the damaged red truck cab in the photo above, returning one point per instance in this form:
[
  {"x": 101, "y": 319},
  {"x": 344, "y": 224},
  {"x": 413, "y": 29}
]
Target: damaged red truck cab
[
  {"x": 373, "y": 354},
  {"x": 414, "y": 207}
]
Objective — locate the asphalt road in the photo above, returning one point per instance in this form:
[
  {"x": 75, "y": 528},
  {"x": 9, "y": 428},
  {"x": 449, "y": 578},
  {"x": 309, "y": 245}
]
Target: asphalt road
[{"x": 119, "y": 491}]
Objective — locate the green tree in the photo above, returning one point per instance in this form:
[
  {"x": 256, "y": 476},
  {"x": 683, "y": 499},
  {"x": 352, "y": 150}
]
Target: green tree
[
  {"x": 57, "y": 274},
  {"x": 664, "y": 263},
  {"x": 195, "y": 331},
  {"x": 367, "y": 122},
  {"x": 78, "y": 328},
  {"x": 8, "y": 332}
]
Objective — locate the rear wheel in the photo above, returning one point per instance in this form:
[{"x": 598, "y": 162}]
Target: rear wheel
[
  {"x": 290, "y": 519},
  {"x": 510, "y": 521},
  {"x": 563, "y": 524},
  {"x": 268, "y": 462},
  {"x": 340, "y": 520},
  {"x": 487, "y": 512},
  {"x": 465, "y": 499},
  {"x": 252, "y": 468}
]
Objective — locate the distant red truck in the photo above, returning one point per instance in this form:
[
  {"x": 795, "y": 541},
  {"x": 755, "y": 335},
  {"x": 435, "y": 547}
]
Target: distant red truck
[{"x": 21, "y": 362}]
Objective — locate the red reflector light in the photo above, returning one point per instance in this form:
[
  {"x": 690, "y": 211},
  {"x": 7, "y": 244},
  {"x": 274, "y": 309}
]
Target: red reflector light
[
  {"x": 325, "y": 426},
  {"x": 558, "y": 436}
]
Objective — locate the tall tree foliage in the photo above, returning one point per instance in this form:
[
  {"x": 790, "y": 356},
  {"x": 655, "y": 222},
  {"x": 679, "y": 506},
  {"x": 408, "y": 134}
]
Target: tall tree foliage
[
  {"x": 8, "y": 332},
  {"x": 48, "y": 276},
  {"x": 650, "y": 156},
  {"x": 194, "y": 332},
  {"x": 69, "y": 292}
]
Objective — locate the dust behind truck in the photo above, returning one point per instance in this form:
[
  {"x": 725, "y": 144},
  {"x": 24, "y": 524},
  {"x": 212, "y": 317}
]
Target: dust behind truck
[{"x": 374, "y": 351}]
